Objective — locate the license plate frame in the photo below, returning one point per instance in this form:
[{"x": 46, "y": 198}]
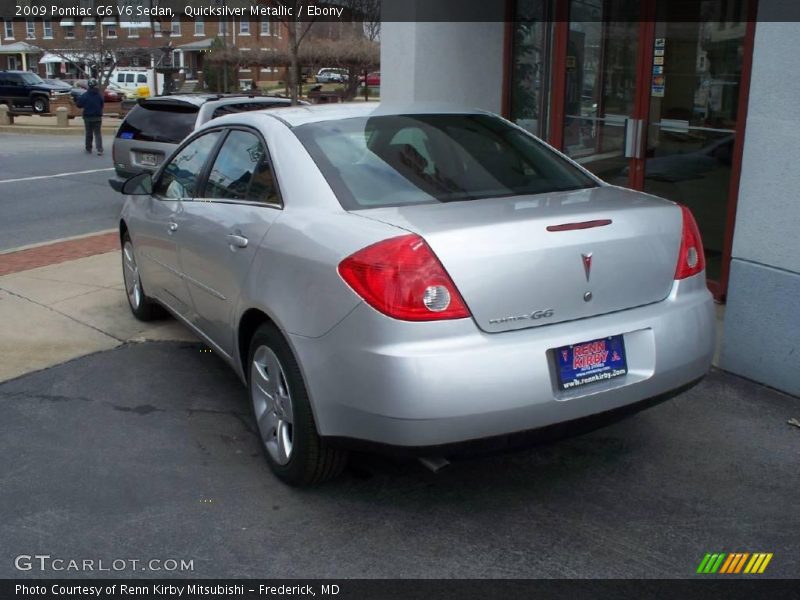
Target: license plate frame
[
  {"x": 597, "y": 361},
  {"x": 148, "y": 159}
]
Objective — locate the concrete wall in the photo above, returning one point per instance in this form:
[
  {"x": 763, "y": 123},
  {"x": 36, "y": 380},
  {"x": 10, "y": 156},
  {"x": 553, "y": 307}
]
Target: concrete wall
[
  {"x": 761, "y": 338},
  {"x": 460, "y": 63}
]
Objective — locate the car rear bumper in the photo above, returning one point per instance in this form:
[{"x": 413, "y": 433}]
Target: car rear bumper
[{"x": 426, "y": 384}]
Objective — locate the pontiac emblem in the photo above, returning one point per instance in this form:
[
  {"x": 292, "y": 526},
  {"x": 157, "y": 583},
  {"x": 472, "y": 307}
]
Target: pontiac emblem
[{"x": 587, "y": 264}]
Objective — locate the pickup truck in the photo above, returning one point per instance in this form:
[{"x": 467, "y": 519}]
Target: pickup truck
[{"x": 26, "y": 89}]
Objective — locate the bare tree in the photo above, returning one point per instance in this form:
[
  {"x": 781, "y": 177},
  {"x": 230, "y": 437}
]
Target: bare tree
[{"x": 297, "y": 29}]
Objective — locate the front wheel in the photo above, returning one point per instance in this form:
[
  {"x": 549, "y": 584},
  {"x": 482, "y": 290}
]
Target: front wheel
[
  {"x": 40, "y": 104},
  {"x": 142, "y": 307},
  {"x": 286, "y": 428}
]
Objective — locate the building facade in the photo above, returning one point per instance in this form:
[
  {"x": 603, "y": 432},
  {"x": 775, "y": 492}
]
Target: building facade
[
  {"x": 53, "y": 48},
  {"x": 691, "y": 101}
]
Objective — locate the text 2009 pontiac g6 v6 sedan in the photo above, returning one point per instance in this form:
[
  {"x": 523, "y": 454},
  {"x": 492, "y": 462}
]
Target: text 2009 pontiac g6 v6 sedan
[{"x": 413, "y": 278}]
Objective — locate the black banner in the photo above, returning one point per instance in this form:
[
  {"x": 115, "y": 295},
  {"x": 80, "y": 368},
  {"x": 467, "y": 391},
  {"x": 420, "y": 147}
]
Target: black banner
[
  {"x": 360, "y": 10},
  {"x": 397, "y": 589}
]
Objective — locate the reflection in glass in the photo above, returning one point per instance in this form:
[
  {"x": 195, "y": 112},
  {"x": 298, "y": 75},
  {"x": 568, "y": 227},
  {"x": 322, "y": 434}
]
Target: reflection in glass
[
  {"x": 530, "y": 67},
  {"x": 693, "y": 117}
]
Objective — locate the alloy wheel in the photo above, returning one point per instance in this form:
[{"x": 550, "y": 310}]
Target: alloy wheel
[{"x": 272, "y": 404}]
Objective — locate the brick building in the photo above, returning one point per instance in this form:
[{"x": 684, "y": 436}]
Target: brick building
[{"x": 53, "y": 48}]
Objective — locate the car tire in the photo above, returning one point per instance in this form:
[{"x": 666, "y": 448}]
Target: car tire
[
  {"x": 287, "y": 432},
  {"x": 40, "y": 104},
  {"x": 142, "y": 307}
]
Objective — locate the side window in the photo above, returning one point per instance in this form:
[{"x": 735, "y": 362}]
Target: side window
[
  {"x": 141, "y": 78},
  {"x": 179, "y": 178},
  {"x": 242, "y": 171},
  {"x": 129, "y": 78},
  {"x": 120, "y": 77}
]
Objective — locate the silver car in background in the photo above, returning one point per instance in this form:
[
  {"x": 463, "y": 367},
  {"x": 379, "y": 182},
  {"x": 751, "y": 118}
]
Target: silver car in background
[{"x": 414, "y": 278}]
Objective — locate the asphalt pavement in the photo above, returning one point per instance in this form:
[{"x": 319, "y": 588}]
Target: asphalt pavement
[
  {"x": 147, "y": 451},
  {"x": 50, "y": 189}
]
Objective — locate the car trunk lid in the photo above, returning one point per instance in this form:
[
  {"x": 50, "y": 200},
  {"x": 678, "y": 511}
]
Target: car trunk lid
[{"x": 528, "y": 261}]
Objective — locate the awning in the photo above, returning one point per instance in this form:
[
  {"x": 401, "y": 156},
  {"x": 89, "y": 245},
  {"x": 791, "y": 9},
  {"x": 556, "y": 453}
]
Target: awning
[
  {"x": 109, "y": 21},
  {"x": 87, "y": 21},
  {"x": 55, "y": 58},
  {"x": 67, "y": 22},
  {"x": 199, "y": 45},
  {"x": 19, "y": 48}
]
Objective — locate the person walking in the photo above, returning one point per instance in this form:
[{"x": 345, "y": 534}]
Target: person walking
[{"x": 91, "y": 101}]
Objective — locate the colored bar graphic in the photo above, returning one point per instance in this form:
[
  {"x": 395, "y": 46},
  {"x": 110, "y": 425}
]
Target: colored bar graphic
[{"x": 734, "y": 563}]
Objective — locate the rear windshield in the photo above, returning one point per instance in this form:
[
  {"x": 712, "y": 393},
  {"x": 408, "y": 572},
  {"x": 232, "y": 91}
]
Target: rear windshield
[
  {"x": 416, "y": 159},
  {"x": 166, "y": 122}
]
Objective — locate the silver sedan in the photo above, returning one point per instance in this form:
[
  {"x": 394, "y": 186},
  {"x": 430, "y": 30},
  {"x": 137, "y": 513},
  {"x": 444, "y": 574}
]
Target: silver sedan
[{"x": 413, "y": 278}]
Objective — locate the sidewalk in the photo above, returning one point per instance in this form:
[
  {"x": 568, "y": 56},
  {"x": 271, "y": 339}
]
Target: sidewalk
[
  {"x": 65, "y": 300},
  {"x": 47, "y": 124}
]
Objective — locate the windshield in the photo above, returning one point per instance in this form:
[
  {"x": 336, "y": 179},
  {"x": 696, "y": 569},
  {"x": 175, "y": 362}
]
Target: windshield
[
  {"x": 416, "y": 159},
  {"x": 31, "y": 78}
]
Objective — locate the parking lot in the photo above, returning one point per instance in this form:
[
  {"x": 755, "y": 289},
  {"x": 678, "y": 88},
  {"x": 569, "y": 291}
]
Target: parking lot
[
  {"x": 148, "y": 452},
  {"x": 145, "y": 450}
]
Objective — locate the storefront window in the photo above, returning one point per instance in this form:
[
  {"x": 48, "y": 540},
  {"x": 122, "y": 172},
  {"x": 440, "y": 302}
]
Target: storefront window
[{"x": 530, "y": 68}]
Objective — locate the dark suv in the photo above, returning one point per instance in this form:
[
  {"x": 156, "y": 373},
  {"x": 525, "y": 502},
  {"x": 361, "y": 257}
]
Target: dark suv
[
  {"x": 155, "y": 126},
  {"x": 23, "y": 88}
]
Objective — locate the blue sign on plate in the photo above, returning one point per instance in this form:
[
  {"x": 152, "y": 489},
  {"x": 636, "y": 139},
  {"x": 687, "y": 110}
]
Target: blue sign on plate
[
  {"x": 590, "y": 362},
  {"x": 126, "y": 135}
]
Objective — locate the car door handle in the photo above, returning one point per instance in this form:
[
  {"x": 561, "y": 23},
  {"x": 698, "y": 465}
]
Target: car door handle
[
  {"x": 238, "y": 241},
  {"x": 173, "y": 227}
]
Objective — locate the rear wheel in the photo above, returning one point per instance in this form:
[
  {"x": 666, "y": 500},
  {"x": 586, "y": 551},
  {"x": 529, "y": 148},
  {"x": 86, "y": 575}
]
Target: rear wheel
[
  {"x": 286, "y": 428},
  {"x": 40, "y": 104},
  {"x": 142, "y": 307}
]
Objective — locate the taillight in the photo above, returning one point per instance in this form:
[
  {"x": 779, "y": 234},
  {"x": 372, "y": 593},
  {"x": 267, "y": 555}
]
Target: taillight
[
  {"x": 691, "y": 259},
  {"x": 402, "y": 278}
]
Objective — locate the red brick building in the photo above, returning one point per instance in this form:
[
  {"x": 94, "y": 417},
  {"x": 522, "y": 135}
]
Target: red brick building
[{"x": 52, "y": 47}]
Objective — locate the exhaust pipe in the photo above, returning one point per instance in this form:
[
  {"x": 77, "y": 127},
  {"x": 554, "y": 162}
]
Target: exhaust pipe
[{"x": 434, "y": 463}]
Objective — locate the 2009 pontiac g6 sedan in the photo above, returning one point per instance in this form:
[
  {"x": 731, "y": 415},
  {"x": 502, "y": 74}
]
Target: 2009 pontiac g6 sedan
[{"x": 414, "y": 278}]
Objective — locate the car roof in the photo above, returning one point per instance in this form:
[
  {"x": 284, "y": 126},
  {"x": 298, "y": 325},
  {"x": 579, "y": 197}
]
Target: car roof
[{"x": 301, "y": 115}]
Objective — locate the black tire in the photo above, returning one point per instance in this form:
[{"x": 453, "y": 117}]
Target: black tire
[
  {"x": 40, "y": 104},
  {"x": 311, "y": 460},
  {"x": 144, "y": 309}
]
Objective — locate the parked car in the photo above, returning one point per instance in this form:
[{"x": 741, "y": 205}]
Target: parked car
[
  {"x": 109, "y": 94},
  {"x": 414, "y": 280},
  {"x": 372, "y": 79},
  {"x": 328, "y": 75},
  {"x": 155, "y": 126},
  {"x": 26, "y": 89}
]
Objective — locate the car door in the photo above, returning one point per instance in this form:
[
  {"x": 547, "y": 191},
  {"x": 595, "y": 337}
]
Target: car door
[
  {"x": 221, "y": 231},
  {"x": 174, "y": 188}
]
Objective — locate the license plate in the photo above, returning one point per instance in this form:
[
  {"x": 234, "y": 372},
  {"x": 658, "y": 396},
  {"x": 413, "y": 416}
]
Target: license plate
[
  {"x": 147, "y": 159},
  {"x": 590, "y": 362}
]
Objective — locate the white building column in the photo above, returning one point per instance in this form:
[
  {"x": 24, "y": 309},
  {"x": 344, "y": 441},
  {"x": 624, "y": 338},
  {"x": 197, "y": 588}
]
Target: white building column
[{"x": 455, "y": 62}]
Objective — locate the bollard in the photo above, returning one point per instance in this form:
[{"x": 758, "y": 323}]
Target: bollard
[
  {"x": 6, "y": 118},
  {"x": 62, "y": 116}
]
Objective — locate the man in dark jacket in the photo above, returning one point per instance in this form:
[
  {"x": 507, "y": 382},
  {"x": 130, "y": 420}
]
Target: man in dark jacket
[{"x": 91, "y": 101}]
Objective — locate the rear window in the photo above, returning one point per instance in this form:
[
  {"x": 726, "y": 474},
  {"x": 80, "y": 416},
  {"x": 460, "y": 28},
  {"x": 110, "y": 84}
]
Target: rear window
[
  {"x": 417, "y": 159},
  {"x": 229, "y": 109},
  {"x": 153, "y": 122}
]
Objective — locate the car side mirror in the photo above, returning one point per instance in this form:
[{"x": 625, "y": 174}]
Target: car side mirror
[{"x": 138, "y": 185}]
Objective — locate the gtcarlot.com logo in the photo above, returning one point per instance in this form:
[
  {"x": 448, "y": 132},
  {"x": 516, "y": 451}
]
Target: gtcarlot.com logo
[
  {"x": 45, "y": 562},
  {"x": 734, "y": 563}
]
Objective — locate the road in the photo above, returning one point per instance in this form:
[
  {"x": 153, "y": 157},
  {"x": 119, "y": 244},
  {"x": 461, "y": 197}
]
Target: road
[
  {"x": 50, "y": 189},
  {"x": 148, "y": 452}
]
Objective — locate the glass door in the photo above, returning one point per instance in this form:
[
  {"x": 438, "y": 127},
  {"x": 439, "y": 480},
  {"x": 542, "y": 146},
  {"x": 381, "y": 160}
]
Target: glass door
[
  {"x": 649, "y": 94},
  {"x": 601, "y": 124},
  {"x": 697, "y": 57}
]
